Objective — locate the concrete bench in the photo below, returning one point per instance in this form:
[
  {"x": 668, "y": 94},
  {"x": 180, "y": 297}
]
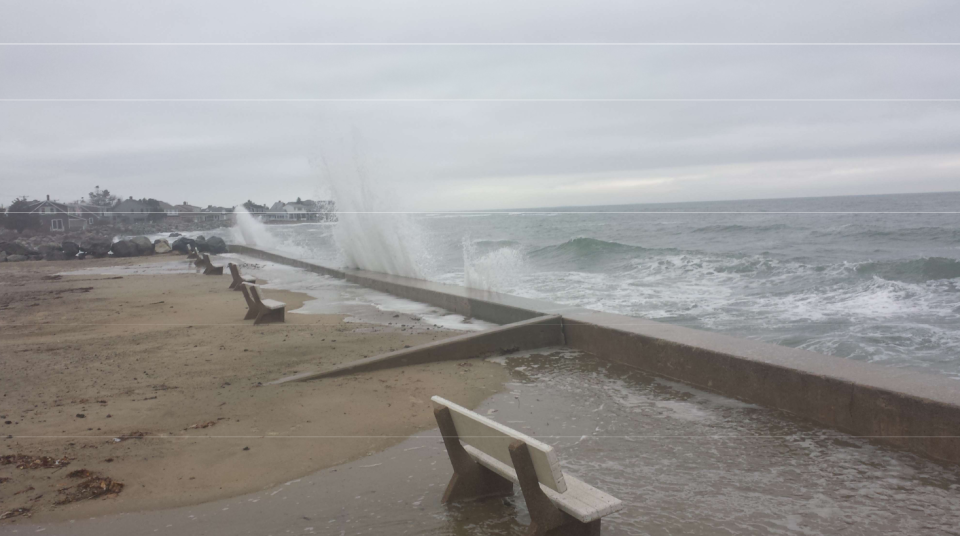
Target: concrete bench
[
  {"x": 488, "y": 458},
  {"x": 239, "y": 280},
  {"x": 209, "y": 268},
  {"x": 192, "y": 252},
  {"x": 198, "y": 260},
  {"x": 262, "y": 310}
]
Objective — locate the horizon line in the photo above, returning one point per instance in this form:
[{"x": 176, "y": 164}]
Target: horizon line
[
  {"x": 490, "y": 43},
  {"x": 481, "y": 100}
]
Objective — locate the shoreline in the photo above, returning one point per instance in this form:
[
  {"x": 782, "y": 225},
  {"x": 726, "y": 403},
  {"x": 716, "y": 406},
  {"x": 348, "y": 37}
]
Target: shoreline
[{"x": 165, "y": 355}]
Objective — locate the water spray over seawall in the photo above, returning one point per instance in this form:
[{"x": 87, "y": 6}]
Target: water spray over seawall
[
  {"x": 370, "y": 233},
  {"x": 253, "y": 232}
]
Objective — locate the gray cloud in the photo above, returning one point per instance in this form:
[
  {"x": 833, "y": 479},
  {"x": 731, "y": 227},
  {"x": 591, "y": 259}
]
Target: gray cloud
[{"x": 458, "y": 155}]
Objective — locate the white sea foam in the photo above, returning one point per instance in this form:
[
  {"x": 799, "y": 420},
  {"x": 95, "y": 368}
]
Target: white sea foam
[{"x": 499, "y": 269}]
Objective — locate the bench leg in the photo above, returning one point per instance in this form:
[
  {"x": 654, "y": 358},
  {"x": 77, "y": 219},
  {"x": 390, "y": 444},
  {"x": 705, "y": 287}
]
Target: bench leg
[
  {"x": 546, "y": 518},
  {"x": 470, "y": 480},
  {"x": 267, "y": 316},
  {"x": 251, "y": 313}
]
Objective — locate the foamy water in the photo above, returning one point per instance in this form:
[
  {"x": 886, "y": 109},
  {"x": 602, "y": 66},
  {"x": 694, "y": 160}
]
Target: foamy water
[{"x": 879, "y": 287}]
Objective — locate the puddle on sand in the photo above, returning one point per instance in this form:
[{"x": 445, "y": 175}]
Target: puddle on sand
[{"x": 683, "y": 461}]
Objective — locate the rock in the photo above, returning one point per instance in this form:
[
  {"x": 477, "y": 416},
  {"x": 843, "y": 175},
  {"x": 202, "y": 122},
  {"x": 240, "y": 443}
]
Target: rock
[
  {"x": 144, "y": 245},
  {"x": 17, "y": 258},
  {"x": 48, "y": 248},
  {"x": 125, "y": 248},
  {"x": 13, "y": 248},
  {"x": 97, "y": 248},
  {"x": 161, "y": 245},
  {"x": 82, "y": 255},
  {"x": 174, "y": 235},
  {"x": 70, "y": 248},
  {"x": 55, "y": 256},
  {"x": 181, "y": 243},
  {"x": 216, "y": 245},
  {"x": 201, "y": 243},
  {"x": 35, "y": 257},
  {"x": 3, "y": 256}
]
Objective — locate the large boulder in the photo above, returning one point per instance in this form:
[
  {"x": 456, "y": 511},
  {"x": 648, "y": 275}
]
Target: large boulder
[
  {"x": 201, "y": 243},
  {"x": 181, "y": 243},
  {"x": 144, "y": 245},
  {"x": 216, "y": 245},
  {"x": 161, "y": 245},
  {"x": 96, "y": 248},
  {"x": 48, "y": 248},
  {"x": 125, "y": 248},
  {"x": 17, "y": 258},
  {"x": 3, "y": 256},
  {"x": 55, "y": 256},
  {"x": 70, "y": 249},
  {"x": 13, "y": 248}
]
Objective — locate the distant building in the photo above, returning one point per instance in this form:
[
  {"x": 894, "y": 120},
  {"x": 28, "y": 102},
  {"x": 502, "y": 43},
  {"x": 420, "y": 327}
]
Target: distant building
[
  {"x": 212, "y": 213},
  {"x": 131, "y": 210},
  {"x": 301, "y": 211},
  {"x": 187, "y": 212},
  {"x": 92, "y": 214},
  {"x": 170, "y": 210},
  {"x": 56, "y": 217}
]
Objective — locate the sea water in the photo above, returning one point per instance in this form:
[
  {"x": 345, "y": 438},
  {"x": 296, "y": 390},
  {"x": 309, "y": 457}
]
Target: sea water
[{"x": 872, "y": 278}]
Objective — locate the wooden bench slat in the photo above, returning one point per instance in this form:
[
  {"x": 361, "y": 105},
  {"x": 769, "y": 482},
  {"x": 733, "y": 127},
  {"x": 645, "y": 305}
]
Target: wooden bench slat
[{"x": 494, "y": 439}]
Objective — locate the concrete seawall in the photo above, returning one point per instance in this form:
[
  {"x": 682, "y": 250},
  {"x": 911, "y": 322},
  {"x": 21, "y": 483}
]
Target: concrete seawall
[{"x": 907, "y": 409}]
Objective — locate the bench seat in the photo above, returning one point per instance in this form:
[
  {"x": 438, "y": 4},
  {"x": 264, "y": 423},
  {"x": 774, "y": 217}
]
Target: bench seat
[
  {"x": 581, "y": 500},
  {"x": 272, "y": 304}
]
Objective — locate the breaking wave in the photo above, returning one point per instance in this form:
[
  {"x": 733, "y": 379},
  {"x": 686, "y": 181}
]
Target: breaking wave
[{"x": 913, "y": 271}]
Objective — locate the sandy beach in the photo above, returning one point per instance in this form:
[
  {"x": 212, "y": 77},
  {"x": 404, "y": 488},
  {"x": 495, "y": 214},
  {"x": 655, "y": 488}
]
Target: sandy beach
[{"x": 156, "y": 382}]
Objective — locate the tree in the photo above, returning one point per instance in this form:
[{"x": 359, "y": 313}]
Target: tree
[
  {"x": 102, "y": 198},
  {"x": 19, "y": 216}
]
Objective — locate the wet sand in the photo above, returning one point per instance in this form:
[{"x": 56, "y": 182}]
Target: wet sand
[
  {"x": 90, "y": 359},
  {"x": 682, "y": 460}
]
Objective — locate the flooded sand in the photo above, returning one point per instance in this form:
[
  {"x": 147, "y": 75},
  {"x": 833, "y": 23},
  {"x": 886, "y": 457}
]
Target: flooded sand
[{"x": 683, "y": 461}]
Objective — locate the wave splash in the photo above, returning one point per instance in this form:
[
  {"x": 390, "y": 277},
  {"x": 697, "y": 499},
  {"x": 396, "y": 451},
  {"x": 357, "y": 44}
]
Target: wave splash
[
  {"x": 492, "y": 265},
  {"x": 253, "y": 232},
  {"x": 371, "y": 234}
]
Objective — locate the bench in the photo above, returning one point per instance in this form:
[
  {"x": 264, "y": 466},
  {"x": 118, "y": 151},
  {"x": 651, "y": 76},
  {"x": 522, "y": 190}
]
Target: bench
[
  {"x": 262, "y": 310},
  {"x": 488, "y": 458},
  {"x": 209, "y": 268},
  {"x": 198, "y": 260},
  {"x": 192, "y": 252},
  {"x": 239, "y": 280}
]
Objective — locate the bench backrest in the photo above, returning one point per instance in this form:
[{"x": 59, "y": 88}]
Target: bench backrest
[
  {"x": 234, "y": 271},
  {"x": 246, "y": 295},
  {"x": 254, "y": 293},
  {"x": 493, "y": 439}
]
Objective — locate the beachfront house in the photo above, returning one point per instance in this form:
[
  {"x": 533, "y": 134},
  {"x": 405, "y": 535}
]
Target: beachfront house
[
  {"x": 212, "y": 213},
  {"x": 171, "y": 211},
  {"x": 55, "y": 217},
  {"x": 91, "y": 214},
  {"x": 187, "y": 212},
  {"x": 258, "y": 211},
  {"x": 297, "y": 211},
  {"x": 131, "y": 210}
]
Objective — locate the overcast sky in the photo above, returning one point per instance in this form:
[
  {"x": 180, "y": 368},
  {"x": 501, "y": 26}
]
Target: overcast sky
[{"x": 455, "y": 154}]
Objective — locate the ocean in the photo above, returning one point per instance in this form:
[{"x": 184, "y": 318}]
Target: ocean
[{"x": 871, "y": 278}]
